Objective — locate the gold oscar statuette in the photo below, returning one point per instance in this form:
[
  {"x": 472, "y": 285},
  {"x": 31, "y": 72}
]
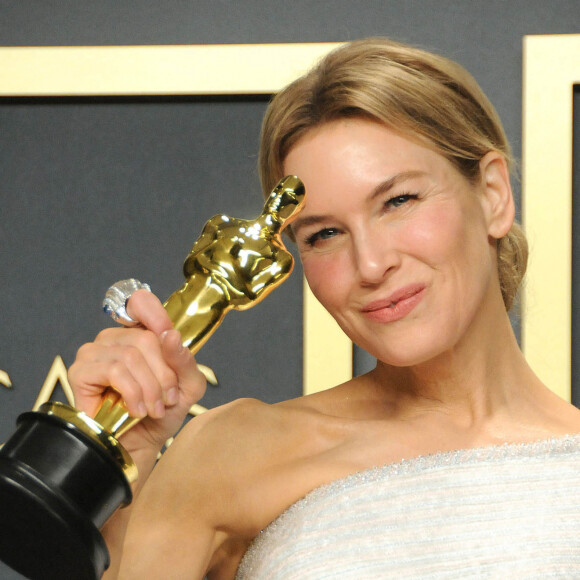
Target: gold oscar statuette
[{"x": 63, "y": 473}]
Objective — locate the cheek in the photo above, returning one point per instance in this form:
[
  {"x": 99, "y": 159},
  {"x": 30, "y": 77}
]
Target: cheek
[
  {"x": 455, "y": 246},
  {"x": 454, "y": 243},
  {"x": 435, "y": 237},
  {"x": 326, "y": 278}
]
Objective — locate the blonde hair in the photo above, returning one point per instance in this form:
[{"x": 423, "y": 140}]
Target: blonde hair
[{"x": 410, "y": 90}]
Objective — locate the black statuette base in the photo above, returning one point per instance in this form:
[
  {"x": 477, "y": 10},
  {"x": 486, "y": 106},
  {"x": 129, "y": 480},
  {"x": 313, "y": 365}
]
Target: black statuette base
[{"x": 57, "y": 488}]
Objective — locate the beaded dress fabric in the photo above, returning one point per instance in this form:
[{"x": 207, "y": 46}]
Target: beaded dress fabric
[{"x": 509, "y": 511}]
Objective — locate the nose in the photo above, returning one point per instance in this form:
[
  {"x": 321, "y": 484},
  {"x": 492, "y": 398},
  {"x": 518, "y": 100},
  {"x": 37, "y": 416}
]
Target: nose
[{"x": 374, "y": 258}]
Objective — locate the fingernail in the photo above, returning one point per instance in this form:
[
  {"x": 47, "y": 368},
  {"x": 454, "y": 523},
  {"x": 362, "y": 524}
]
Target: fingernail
[
  {"x": 172, "y": 396},
  {"x": 142, "y": 410},
  {"x": 159, "y": 409},
  {"x": 180, "y": 347}
]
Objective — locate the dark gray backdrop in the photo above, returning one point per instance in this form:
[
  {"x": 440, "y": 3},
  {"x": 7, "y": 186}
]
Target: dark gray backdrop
[{"x": 94, "y": 190}]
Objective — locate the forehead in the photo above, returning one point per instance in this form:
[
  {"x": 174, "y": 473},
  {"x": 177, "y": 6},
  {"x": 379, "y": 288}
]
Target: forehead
[{"x": 358, "y": 151}]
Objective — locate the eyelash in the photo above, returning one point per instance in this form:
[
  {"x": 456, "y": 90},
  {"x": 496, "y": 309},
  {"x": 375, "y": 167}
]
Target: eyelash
[
  {"x": 313, "y": 238},
  {"x": 393, "y": 202},
  {"x": 401, "y": 199}
]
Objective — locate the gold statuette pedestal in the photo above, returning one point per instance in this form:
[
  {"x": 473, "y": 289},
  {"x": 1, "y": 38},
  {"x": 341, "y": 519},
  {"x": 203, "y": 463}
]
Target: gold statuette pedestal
[{"x": 62, "y": 473}]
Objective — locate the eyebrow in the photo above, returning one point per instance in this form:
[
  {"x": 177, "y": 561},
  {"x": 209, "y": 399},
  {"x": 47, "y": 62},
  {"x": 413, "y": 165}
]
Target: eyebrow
[
  {"x": 380, "y": 189},
  {"x": 388, "y": 184}
]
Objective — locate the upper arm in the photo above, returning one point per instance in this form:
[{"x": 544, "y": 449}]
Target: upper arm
[
  {"x": 172, "y": 525},
  {"x": 187, "y": 514},
  {"x": 158, "y": 547}
]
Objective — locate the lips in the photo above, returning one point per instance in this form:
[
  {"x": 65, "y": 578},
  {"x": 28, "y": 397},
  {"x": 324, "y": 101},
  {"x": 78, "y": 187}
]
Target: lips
[{"x": 396, "y": 306}]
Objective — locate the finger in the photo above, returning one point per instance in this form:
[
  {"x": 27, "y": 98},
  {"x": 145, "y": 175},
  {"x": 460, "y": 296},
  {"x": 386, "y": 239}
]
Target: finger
[
  {"x": 91, "y": 379},
  {"x": 144, "y": 307},
  {"x": 123, "y": 381},
  {"x": 153, "y": 360},
  {"x": 134, "y": 376},
  {"x": 130, "y": 362},
  {"x": 190, "y": 380},
  {"x": 160, "y": 380}
]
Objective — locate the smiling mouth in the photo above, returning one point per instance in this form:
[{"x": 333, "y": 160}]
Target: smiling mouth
[{"x": 396, "y": 306}]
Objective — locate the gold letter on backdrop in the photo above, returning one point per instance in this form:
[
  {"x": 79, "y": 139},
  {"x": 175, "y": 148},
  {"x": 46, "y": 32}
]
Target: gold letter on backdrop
[
  {"x": 5, "y": 379},
  {"x": 56, "y": 374}
]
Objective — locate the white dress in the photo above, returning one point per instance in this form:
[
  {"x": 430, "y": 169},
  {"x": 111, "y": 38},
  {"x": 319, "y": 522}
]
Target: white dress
[{"x": 509, "y": 511}]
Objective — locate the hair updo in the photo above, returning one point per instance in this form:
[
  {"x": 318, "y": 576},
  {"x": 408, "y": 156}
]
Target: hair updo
[{"x": 410, "y": 90}]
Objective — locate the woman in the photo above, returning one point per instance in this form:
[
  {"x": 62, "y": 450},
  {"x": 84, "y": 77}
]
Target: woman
[{"x": 408, "y": 239}]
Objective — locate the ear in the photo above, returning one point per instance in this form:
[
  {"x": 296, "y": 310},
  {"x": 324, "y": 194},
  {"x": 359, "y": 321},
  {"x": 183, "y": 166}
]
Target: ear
[{"x": 497, "y": 197}]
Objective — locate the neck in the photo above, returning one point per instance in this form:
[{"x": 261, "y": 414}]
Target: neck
[{"x": 483, "y": 378}]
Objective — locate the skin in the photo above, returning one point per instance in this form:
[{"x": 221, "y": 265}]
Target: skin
[{"x": 401, "y": 249}]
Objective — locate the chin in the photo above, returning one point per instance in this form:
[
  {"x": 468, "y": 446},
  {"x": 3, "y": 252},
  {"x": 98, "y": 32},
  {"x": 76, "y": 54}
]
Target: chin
[{"x": 408, "y": 353}]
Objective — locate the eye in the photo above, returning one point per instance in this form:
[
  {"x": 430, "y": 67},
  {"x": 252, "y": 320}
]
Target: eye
[
  {"x": 321, "y": 235},
  {"x": 400, "y": 200}
]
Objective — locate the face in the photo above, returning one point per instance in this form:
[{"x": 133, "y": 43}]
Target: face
[{"x": 394, "y": 241}]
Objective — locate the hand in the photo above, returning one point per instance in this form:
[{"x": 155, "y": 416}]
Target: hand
[{"x": 157, "y": 377}]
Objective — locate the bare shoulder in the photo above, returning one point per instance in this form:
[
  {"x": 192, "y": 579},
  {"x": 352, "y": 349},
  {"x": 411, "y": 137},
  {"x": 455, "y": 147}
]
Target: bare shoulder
[
  {"x": 220, "y": 482},
  {"x": 565, "y": 417},
  {"x": 241, "y": 448},
  {"x": 247, "y": 434},
  {"x": 551, "y": 414},
  {"x": 241, "y": 420},
  {"x": 234, "y": 469}
]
